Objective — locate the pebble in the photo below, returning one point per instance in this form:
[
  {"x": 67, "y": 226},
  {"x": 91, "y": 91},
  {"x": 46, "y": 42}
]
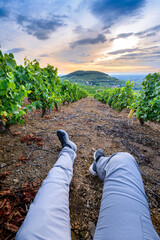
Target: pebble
[
  {"x": 102, "y": 133},
  {"x": 87, "y": 204},
  {"x": 15, "y": 180},
  {"x": 3, "y": 165}
]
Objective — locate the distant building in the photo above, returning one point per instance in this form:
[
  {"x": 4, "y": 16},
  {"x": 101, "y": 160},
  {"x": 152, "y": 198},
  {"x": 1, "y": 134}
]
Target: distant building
[{"x": 88, "y": 83}]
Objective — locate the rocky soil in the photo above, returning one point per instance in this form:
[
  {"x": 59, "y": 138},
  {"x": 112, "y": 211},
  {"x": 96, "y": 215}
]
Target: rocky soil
[{"x": 28, "y": 152}]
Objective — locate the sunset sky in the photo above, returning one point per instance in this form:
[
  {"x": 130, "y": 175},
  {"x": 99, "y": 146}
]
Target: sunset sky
[{"x": 112, "y": 36}]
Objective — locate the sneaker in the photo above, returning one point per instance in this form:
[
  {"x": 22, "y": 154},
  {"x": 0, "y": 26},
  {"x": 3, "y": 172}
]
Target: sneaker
[
  {"x": 99, "y": 153},
  {"x": 64, "y": 139},
  {"x": 92, "y": 169}
]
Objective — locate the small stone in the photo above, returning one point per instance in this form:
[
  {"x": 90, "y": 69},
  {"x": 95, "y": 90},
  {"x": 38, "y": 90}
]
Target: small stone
[
  {"x": 3, "y": 165},
  {"x": 15, "y": 180},
  {"x": 102, "y": 133},
  {"x": 87, "y": 204}
]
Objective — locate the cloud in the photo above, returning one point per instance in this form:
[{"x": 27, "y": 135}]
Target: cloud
[
  {"x": 79, "y": 29},
  {"x": 83, "y": 55},
  {"x": 137, "y": 57},
  {"x": 3, "y": 12},
  {"x": 124, "y": 35},
  {"x": 106, "y": 28},
  {"x": 142, "y": 51},
  {"x": 130, "y": 56},
  {"x": 15, "y": 50},
  {"x": 150, "y": 32},
  {"x": 110, "y": 10},
  {"x": 40, "y": 28},
  {"x": 107, "y": 31},
  {"x": 151, "y": 48},
  {"x": 123, "y": 51},
  {"x": 78, "y": 62},
  {"x": 153, "y": 34},
  {"x": 156, "y": 52},
  {"x": 75, "y": 61},
  {"x": 140, "y": 56},
  {"x": 43, "y": 55},
  {"x": 99, "y": 39},
  {"x": 152, "y": 29}
]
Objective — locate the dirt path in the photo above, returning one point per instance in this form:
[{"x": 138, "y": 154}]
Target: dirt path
[{"x": 91, "y": 125}]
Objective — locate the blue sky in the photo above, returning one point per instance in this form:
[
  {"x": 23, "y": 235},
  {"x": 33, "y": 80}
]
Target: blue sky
[{"x": 112, "y": 36}]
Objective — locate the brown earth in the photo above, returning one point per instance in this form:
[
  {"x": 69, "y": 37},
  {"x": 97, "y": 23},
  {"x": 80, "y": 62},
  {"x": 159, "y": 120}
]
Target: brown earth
[{"x": 29, "y": 151}]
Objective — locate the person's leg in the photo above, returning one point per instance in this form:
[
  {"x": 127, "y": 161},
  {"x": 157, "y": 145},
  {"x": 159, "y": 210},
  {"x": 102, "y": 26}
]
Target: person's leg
[
  {"x": 48, "y": 216},
  {"x": 124, "y": 212}
]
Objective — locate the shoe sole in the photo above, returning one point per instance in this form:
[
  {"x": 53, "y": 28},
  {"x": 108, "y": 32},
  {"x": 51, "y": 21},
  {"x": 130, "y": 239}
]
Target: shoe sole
[
  {"x": 92, "y": 171},
  {"x": 91, "y": 167}
]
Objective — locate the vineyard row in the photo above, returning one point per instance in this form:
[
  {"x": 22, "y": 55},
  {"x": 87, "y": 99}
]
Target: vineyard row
[
  {"x": 42, "y": 87},
  {"x": 145, "y": 105}
]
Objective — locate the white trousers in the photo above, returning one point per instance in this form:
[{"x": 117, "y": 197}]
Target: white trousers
[{"x": 124, "y": 212}]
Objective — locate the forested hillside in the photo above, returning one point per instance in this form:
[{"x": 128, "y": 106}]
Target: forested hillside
[{"x": 93, "y": 78}]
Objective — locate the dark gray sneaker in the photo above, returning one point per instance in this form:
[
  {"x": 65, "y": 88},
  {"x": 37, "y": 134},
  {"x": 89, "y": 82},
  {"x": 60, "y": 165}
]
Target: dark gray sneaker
[
  {"x": 64, "y": 139},
  {"x": 97, "y": 155}
]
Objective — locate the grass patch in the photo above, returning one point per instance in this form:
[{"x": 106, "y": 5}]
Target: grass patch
[{"x": 92, "y": 90}]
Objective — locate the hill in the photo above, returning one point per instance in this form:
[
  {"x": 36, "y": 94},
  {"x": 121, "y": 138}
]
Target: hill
[{"x": 93, "y": 78}]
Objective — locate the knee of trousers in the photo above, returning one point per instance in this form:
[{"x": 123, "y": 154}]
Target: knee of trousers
[
  {"x": 122, "y": 160},
  {"x": 123, "y": 180}
]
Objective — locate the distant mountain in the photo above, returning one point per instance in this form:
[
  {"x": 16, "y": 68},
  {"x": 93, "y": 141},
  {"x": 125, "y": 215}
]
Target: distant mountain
[{"x": 93, "y": 78}]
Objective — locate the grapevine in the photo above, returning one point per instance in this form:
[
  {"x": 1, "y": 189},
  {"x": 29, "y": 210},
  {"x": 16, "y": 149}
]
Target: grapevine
[
  {"x": 42, "y": 86},
  {"x": 147, "y": 104},
  {"x": 118, "y": 98},
  {"x": 11, "y": 96}
]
